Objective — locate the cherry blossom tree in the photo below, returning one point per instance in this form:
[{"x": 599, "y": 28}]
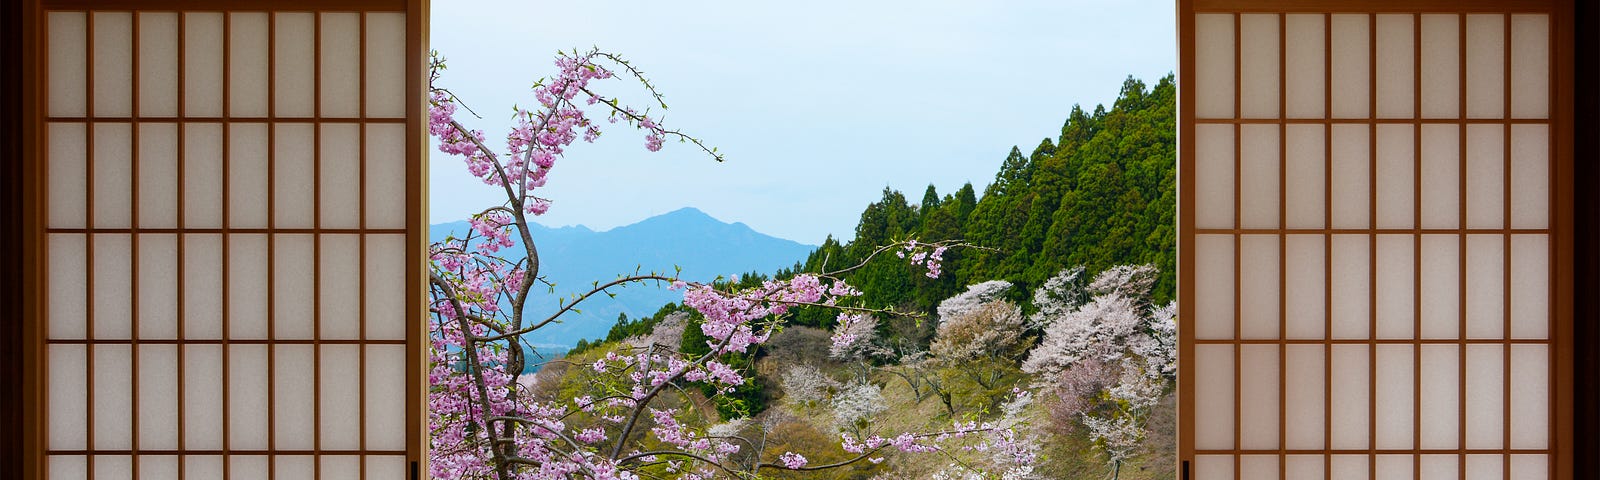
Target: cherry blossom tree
[{"x": 484, "y": 424}]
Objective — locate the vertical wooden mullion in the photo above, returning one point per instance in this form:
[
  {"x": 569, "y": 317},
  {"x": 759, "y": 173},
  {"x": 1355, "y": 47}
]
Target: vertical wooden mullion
[
  {"x": 1327, "y": 244},
  {"x": 226, "y": 128},
  {"x": 133, "y": 259},
  {"x": 1553, "y": 329},
  {"x": 1505, "y": 222},
  {"x": 1186, "y": 195},
  {"x": 416, "y": 20},
  {"x": 1416, "y": 245},
  {"x": 1238, "y": 132},
  {"x": 361, "y": 256},
  {"x": 1461, "y": 137},
  {"x": 272, "y": 236},
  {"x": 1283, "y": 241},
  {"x": 181, "y": 127},
  {"x": 1372, "y": 245},
  {"x": 316, "y": 245},
  {"x": 88, "y": 242}
]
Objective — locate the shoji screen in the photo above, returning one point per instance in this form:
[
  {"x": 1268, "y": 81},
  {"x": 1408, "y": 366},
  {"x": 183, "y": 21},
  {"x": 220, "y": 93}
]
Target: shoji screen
[
  {"x": 1369, "y": 240},
  {"x": 233, "y": 239}
]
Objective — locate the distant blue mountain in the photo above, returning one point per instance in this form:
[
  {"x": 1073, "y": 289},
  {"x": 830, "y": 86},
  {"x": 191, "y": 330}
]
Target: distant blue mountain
[{"x": 574, "y": 257}]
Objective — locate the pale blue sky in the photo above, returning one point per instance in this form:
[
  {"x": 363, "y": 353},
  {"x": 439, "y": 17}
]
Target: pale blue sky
[{"x": 817, "y": 104}]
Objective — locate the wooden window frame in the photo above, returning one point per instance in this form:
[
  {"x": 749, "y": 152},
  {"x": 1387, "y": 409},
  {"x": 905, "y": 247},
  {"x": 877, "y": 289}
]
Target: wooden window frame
[{"x": 23, "y": 213}]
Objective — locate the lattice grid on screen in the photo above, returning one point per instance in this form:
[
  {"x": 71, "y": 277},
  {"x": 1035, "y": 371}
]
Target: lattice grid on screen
[
  {"x": 227, "y": 237},
  {"x": 1371, "y": 291}
]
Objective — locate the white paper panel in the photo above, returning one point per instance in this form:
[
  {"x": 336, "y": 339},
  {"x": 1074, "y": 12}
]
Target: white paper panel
[
  {"x": 1258, "y": 180},
  {"x": 158, "y": 64},
  {"x": 69, "y": 180},
  {"x": 202, "y": 175},
  {"x": 385, "y": 57},
  {"x": 1485, "y": 396},
  {"x": 67, "y": 397},
  {"x": 1530, "y": 467},
  {"x": 158, "y": 466},
  {"x": 113, "y": 397},
  {"x": 1350, "y": 385},
  {"x": 1441, "y": 398},
  {"x": 1396, "y": 65},
  {"x": 1440, "y": 467},
  {"x": 1213, "y": 467},
  {"x": 386, "y": 466},
  {"x": 1530, "y": 286},
  {"x": 1213, "y": 397},
  {"x": 340, "y": 287},
  {"x": 341, "y": 397},
  {"x": 202, "y": 67},
  {"x": 202, "y": 466},
  {"x": 1258, "y": 395},
  {"x": 247, "y": 397},
  {"x": 113, "y": 64},
  {"x": 1395, "y": 393},
  {"x": 1258, "y": 467},
  {"x": 158, "y": 397},
  {"x": 158, "y": 175},
  {"x": 1305, "y": 293},
  {"x": 1485, "y": 295},
  {"x": 1530, "y": 176},
  {"x": 158, "y": 286},
  {"x": 294, "y": 390},
  {"x": 1349, "y": 467},
  {"x": 247, "y": 64},
  {"x": 1258, "y": 286},
  {"x": 294, "y": 175},
  {"x": 386, "y": 399},
  {"x": 1393, "y": 467},
  {"x": 1304, "y": 390},
  {"x": 1352, "y": 71},
  {"x": 1305, "y": 176},
  {"x": 339, "y": 178},
  {"x": 293, "y": 286},
  {"x": 1396, "y": 286},
  {"x": 292, "y": 467},
  {"x": 111, "y": 176},
  {"x": 202, "y": 397},
  {"x": 1486, "y": 176},
  {"x": 1530, "y": 396},
  {"x": 1484, "y": 467},
  {"x": 108, "y": 467},
  {"x": 249, "y": 467},
  {"x": 1530, "y": 66},
  {"x": 341, "y": 466},
  {"x": 1305, "y": 65},
  {"x": 1258, "y": 65},
  {"x": 385, "y": 287},
  {"x": 1214, "y": 162},
  {"x": 1352, "y": 286},
  {"x": 68, "y": 274},
  {"x": 1303, "y": 467},
  {"x": 202, "y": 286},
  {"x": 1396, "y": 187},
  {"x": 1441, "y": 286},
  {"x": 1486, "y": 66},
  {"x": 1214, "y": 67},
  {"x": 113, "y": 286},
  {"x": 248, "y": 171},
  {"x": 1441, "y": 66},
  {"x": 1352, "y": 182},
  {"x": 68, "y": 40},
  {"x": 1441, "y": 176},
  {"x": 339, "y": 45},
  {"x": 386, "y": 176},
  {"x": 247, "y": 286},
  {"x": 294, "y": 64},
  {"x": 1213, "y": 287}
]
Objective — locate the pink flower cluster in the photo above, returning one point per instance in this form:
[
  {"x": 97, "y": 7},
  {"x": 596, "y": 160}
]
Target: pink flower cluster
[{"x": 921, "y": 255}]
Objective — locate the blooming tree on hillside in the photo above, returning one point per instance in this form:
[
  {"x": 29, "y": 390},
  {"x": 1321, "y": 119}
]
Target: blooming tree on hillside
[{"x": 483, "y": 425}]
